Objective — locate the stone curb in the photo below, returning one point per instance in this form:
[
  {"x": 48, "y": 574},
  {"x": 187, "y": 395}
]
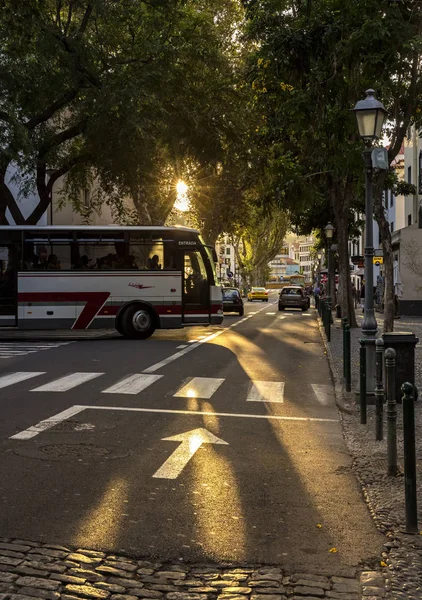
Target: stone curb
[
  {"x": 340, "y": 394},
  {"x": 31, "y": 570}
]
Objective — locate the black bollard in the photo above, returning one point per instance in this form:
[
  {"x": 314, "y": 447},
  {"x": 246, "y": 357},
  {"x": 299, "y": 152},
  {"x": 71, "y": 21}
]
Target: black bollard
[
  {"x": 409, "y": 458},
  {"x": 329, "y": 317},
  {"x": 348, "y": 357},
  {"x": 390, "y": 385},
  {"x": 379, "y": 391},
  {"x": 362, "y": 390},
  {"x": 343, "y": 325}
]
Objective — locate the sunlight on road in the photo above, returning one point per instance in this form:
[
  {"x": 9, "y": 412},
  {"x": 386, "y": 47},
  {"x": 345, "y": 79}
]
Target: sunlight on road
[
  {"x": 216, "y": 491},
  {"x": 102, "y": 524}
]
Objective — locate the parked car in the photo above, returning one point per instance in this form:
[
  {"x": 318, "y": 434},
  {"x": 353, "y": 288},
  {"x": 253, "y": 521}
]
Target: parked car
[
  {"x": 258, "y": 293},
  {"x": 232, "y": 300},
  {"x": 293, "y": 296}
]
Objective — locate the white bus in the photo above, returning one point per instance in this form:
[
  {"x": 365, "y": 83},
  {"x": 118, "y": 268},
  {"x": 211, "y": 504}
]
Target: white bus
[{"x": 134, "y": 279}]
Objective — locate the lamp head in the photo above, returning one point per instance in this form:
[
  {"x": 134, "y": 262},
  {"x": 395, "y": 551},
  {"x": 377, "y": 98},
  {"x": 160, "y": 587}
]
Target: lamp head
[
  {"x": 370, "y": 115},
  {"x": 329, "y": 231}
]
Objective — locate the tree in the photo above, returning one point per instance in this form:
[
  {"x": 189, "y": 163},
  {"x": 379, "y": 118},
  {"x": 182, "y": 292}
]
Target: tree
[
  {"x": 113, "y": 92},
  {"x": 259, "y": 242},
  {"x": 313, "y": 61}
]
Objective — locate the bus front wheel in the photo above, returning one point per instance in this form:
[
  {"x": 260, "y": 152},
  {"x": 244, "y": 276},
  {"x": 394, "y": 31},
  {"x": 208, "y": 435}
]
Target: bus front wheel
[{"x": 138, "y": 322}]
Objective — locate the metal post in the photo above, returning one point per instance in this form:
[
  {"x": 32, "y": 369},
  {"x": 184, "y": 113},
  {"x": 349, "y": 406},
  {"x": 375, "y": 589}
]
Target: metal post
[
  {"x": 369, "y": 324},
  {"x": 390, "y": 377},
  {"x": 379, "y": 391},
  {"x": 348, "y": 353},
  {"x": 329, "y": 272},
  {"x": 409, "y": 458},
  {"x": 344, "y": 323},
  {"x": 328, "y": 310},
  {"x": 362, "y": 391}
]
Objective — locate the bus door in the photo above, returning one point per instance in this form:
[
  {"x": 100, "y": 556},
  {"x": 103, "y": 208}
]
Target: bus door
[
  {"x": 8, "y": 285},
  {"x": 196, "y": 296}
]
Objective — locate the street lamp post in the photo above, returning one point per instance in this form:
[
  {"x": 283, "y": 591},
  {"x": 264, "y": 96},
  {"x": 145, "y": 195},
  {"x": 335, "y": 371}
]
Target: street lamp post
[
  {"x": 370, "y": 114},
  {"x": 329, "y": 232}
]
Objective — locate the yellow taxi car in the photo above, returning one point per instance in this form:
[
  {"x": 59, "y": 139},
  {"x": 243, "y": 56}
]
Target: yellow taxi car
[{"x": 258, "y": 293}]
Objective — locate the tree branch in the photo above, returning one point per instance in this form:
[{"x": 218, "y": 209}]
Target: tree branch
[
  {"x": 60, "y": 138},
  {"x": 52, "y": 109}
]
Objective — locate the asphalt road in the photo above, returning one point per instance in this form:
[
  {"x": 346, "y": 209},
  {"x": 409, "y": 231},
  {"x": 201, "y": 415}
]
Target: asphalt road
[{"x": 256, "y": 471}]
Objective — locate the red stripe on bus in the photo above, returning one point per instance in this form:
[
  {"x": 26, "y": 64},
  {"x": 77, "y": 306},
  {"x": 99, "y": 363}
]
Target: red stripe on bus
[{"x": 94, "y": 302}]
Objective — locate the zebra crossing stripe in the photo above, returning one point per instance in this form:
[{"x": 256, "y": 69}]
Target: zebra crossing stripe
[
  {"x": 13, "y": 378},
  {"x": 63, "y": 384},
  {"x": 199, "y": 387},
  {"x": 323, "y": 393},
  {"x": 132, "y": 384},
  {"x": 266, "y": 391}
]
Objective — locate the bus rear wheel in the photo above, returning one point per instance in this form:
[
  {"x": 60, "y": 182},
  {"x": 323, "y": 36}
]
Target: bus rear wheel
[{"x": 138, "y": 322}]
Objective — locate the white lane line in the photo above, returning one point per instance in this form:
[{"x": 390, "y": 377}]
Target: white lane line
[
  {"x": 63, "y": 384},
  {"x": 192, "y": 341},
  {"x": 16, "y": 352},
  {"x": 194, "y": 344},
  {"x": 13, "y": 378},
  {"x": 182, "y": 346},
  {"x": 323, "y": 393},
  {"x": 271, "y": 313},
  {"x": 266, "y": 391},
  {"x": 74, "y": 410},
  {"x": 199, "y": 387},
  {"x": 132, "y": 384},
  {"x": 177, "y": 355},
  {"x": 47, "y": 424}
]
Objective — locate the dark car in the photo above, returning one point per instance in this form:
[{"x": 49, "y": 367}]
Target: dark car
[
  {"x": 293, "y": 296},
  {"x": 232, "y": 300}
]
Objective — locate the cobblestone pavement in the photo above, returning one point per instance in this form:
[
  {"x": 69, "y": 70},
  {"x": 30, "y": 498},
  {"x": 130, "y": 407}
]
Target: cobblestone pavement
[
  {"x": 31, "y": 570},
  {"x": 385, "y": 495}
]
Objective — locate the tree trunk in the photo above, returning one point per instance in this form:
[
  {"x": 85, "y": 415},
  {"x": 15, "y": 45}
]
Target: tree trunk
[
  {"x": 7, "y": 200},
  {"x": 340, "y": 199}
]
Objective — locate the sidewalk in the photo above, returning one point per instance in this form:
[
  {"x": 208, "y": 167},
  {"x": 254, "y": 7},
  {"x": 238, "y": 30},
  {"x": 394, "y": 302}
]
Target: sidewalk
[{"x": 385, "y": 495}]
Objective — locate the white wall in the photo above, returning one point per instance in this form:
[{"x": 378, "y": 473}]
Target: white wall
[{"x": 26, "y": 203}]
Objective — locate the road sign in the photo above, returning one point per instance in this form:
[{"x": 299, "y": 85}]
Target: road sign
[
  {"x": 191, "y": 442},
  {"x": 229, "y": 273},
  {"x": 378, "y": 260},
  {"x": 380, "y": 158}
]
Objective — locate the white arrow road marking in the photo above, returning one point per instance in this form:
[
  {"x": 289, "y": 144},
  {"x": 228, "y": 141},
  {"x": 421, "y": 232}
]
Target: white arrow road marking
[
  {"x": 199, "y": 387},
  {"x": 132, "y": 384},
  {"x": 191, "y": 442},
  {"x": 324, "y": 393},
  {"x": 266, "y": 391}
]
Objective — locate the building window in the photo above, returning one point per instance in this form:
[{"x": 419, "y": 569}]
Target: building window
[
  {"x": 228, "y": 250},
  {"x": 409, "y": 174},
  {"x": 409, "y": 220},
  {"x": 392, "y": 226},
  {"x": 391, "y": 199},
  {"x": 87, "y": 198}
]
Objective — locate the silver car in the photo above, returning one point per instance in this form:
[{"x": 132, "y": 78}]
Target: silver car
[{"x": 293, "y": 296}]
